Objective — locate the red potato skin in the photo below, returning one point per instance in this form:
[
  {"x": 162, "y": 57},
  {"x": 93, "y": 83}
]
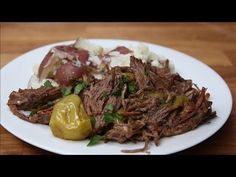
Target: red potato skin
[
  {"x": 67, "y": 73},
  {"x": 80, "y": 54},
  {"x": 83, "y": 56},
  {"x": 66, "y": 52},
  {"x": 44, "y": 62},
  {"x": 122, "y": 50}
]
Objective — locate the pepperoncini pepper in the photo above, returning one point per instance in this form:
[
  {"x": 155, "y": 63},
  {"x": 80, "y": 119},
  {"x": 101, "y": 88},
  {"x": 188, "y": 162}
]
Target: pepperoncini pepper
[
  {"x": 180, "y": 101},
  {"x": 69, "y": 119}
]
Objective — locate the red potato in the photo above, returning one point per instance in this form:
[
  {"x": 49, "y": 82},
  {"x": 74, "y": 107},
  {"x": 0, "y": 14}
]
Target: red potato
[
  {"x": 83, "y": 56},
  {"x": 53, "y": 59},
  {"x": 44, "y": 62},
  {"x": 72, "y": 52},
  {"x": 47, "y": 65},
  {"x": 67, "y": 73}
]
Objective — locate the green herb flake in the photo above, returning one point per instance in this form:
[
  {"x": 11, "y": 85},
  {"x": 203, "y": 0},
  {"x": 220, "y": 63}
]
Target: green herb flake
[
  {"x": 132, "y": 88},
  {"x": 162, "y": 101},
  {"x": 48, "y": 84},
  {"x": 117, "y": 93},
  {"x": 118, "y": 117},
  {"x": 32, "y": 113},
  {"x": 109, "y": 107},
  {"x": 66, "y": 91},
  {"x": 49, "y": 103},
  {"x": 146, "y": 71},
  {"x": 108, "y": 117},
  {"x": 93, "y": 121},
  {"x": 79, "y": 87},
  {"x": 95, "y": 140},
  {"x": 112, "y": 117}
]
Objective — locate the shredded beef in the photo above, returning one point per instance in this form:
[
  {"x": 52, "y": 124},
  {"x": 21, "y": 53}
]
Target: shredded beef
[
  {"x": 152, "y": 102},
  {"x": 34, "y": 99},
  {"x": 28, "y": 99},
  {"x": 155, "y": 110}
]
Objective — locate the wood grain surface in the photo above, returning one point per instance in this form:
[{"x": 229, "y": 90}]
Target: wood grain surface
[{"x": 212, "y": 43}]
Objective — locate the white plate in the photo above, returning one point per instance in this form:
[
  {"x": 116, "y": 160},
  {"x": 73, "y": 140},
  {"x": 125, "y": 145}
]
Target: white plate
[{"x": 17, "y": 73}]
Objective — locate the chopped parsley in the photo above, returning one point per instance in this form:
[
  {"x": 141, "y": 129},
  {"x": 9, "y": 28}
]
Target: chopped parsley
[
  {"x": 49, "y": 103},
  {"x": 48, "y": 84},
  {"x": 66, "y": 90},
  {"x": 162, "y": 101},
  {"x": 79, "y": 87},
  {"x": 95, "y": 139},
  {"x": 112, "y": 117},
  {"x": 32, "y": 113},
  {"x": 146, "y": 71},
  {"x": 132, "y": 88},
  {"x": 109, "y": 107},
  {"x": 117, "y": 93},
  {"x": 93, "y": 121}
]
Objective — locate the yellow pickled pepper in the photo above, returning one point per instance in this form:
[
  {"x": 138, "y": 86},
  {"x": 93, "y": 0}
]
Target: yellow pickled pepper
[{"x": 69, "y": 119}]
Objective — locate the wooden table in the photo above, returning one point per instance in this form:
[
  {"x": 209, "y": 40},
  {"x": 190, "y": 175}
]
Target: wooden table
[{"x": 212, "y": 43}]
